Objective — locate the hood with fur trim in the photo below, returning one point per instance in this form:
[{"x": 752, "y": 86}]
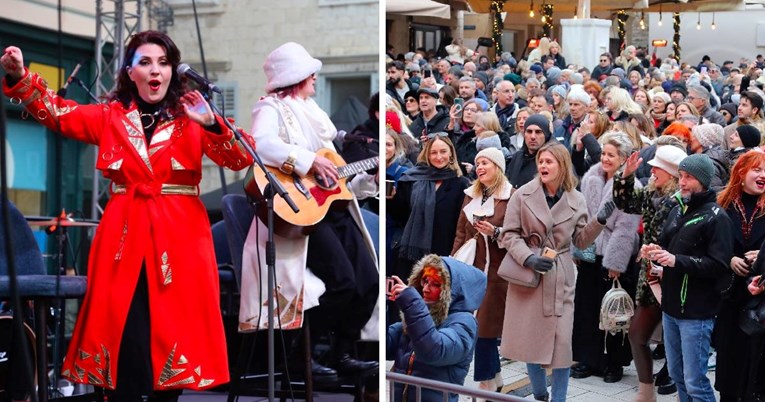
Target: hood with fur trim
[{"x": 462, "y": 290}]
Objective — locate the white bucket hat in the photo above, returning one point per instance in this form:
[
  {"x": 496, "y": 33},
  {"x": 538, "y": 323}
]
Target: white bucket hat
[
  {"x": 668, "y": 158},
  {"x": 288, "y": 65}
]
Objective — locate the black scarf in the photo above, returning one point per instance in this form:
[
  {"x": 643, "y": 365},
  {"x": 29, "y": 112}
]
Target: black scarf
[{"x": 418, "y": 232}]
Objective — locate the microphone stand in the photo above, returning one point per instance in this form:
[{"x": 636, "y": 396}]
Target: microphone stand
[
  {"x": 84, "y": 87},
  {"x": 274, "y": 187}
]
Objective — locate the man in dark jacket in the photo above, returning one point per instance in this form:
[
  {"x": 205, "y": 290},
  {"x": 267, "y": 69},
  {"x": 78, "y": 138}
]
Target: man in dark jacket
[
  {"x": 522, "y": 165},
  {"x": 397, "y": 86},
  {"x": 430, "y": 119},
  {"x": 695, "y": 248}
]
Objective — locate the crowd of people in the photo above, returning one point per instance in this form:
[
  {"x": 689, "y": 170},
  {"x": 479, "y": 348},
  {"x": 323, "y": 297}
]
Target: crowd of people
[{"x": 639, "y": 171}]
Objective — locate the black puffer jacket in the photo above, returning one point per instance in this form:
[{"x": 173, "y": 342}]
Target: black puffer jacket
[{"x": 701, "y": 238}]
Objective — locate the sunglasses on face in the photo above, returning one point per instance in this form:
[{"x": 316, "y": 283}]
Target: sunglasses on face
[{"x": 411, "y": 100}]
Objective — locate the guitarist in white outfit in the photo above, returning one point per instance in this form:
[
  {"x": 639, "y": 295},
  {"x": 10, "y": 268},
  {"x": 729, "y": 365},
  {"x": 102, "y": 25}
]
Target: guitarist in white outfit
[{"x": 333, "y": 271}]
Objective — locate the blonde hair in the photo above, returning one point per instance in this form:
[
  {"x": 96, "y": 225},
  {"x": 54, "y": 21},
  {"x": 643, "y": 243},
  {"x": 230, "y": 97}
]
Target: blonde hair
[
  {"x": 489, "y": 121},
  {"x": 566, "y": 179},
  {"x": 423, "y": 157},
  {"x": 398, "y": 145},
  {"x": 630, "y": 131},
  {"x": 486, "y": 134},
  {"x": 623, "y": 102},
  {"x": 498, "y": 184}
]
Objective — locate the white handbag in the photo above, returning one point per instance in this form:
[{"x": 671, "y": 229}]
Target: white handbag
[{"x": 466, "y": 253}]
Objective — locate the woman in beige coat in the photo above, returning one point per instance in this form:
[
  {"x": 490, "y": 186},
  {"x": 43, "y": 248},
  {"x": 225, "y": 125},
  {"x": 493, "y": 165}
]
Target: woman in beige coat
[{"x": 538, "y": 321}]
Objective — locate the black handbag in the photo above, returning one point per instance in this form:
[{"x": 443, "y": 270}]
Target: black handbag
[{"x": 752, "y": 317}]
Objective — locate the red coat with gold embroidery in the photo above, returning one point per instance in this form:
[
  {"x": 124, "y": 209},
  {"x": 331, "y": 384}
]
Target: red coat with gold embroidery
[{"x": 154, "y": 216}]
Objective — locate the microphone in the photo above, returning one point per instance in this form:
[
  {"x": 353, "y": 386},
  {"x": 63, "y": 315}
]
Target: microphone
[
  {"x": 62, "y": 92},
  {"x": 186, "y": 71}
]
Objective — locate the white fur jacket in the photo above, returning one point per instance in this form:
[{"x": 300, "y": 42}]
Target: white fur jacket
[{"x": 619, "y": 240}]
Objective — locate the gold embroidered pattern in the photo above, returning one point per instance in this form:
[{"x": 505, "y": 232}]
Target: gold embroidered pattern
[
  {"x": 138, "y": 141},
  {"x": 83, "y": 354},
  {"x": 79, "y": 372},
  {"x": 198, "y": 370},
  {"x": 153, "y": 150},
  {"x": 116, "y": 165},
  {"x": 187, "y": 380},
  {"x": 168, "y": 371},
  {"x": 118, "y": 255},
  {"x": 66, "y": 373},
  {"x": 97, "y": 358},
  {"x": 167, "y": 273},
  {"x": 163, "y": 133},
  {"x": 176, "y": 165},
  {"x": 94, "y": 380},
  {"x": 108, "y": 367},
  {"x": 182, "y": 360},
  {"x": 204, "y": 382},
  {"x": 135, "y": 118}
]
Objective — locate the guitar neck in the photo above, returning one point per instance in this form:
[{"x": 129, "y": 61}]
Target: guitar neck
[{"x": 356, "y": 167}]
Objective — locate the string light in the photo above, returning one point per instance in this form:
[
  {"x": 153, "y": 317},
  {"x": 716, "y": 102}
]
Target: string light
[
  {"x": 713, "y": 21},
  {"x": 660, "y": 14},
  {"x": 698, "y": 22},
  {"x": 676, "y": 38},
  {"x": 497, "y": 7},
  {"x": 621, "y": 20},
  {"x": 547, "y": 12},
  {"x": 531, "y": 9}
]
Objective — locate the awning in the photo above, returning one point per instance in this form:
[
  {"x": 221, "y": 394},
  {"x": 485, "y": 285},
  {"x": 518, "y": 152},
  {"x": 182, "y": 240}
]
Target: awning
[
  {"x": 418, "y": 8},
  {"x": 569, "y": 6}
]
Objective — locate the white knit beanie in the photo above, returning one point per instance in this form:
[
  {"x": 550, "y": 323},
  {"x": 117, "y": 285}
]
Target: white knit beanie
[
  {"x": 288, "y": 65},
  {"x": 494, "y": 155}
]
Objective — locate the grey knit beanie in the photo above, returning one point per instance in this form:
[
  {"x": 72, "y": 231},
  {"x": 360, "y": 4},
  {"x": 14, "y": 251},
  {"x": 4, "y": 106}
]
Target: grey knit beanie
[{"x": 700, "y": 167}]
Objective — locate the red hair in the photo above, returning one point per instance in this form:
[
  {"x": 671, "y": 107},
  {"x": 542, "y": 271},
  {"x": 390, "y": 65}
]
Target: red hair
[
  {"x": 732, "y": 191},
  {"x": 679, "y": 130},
  {"x": 431, "y": 272},
  {"x": 292, "y": 90}
]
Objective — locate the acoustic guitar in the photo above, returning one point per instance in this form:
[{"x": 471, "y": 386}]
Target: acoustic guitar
[{"x": 312, "y": 197}]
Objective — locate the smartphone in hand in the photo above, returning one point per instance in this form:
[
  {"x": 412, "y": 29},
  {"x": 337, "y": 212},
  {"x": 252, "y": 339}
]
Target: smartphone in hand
[{"x": 389, "y": 283}]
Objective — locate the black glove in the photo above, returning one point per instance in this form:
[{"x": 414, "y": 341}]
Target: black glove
[
  {"x": 539, "y": 263},
  {"x": 605, "y": 212}
]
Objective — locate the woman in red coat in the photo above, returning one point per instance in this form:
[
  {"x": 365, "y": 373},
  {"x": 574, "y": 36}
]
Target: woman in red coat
[{"x": 150, "y": 323}]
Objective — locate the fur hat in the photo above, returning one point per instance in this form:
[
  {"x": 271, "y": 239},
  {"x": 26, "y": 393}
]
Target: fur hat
[
  {"x": 750, "y": 135},
  {"x": 708, "y": 135},
  {"x": 663, "y": 96},
  {"x": 668, "y": 158},
  {"x": 494, "y": 155},
  {"x": 288, "y": 65},
  {"x": 700, "y": 167}
]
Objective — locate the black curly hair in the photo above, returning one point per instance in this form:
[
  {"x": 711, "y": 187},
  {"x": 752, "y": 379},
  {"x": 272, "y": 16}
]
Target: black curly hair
[{"x": 126, "y": 91}]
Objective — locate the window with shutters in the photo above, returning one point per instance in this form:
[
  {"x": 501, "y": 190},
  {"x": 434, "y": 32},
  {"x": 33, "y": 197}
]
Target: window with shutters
[{"x": 226, "y": 102}]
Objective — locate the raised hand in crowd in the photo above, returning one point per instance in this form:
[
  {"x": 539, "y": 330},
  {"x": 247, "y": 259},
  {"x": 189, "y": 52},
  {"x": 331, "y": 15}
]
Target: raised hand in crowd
[
  {"x": 605, "y": 212},
  {"x": 12, "y": 61},
  {"x": 632, "y": 164}
]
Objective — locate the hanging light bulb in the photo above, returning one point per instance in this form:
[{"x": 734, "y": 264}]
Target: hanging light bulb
[
  {"x": 531, "y": 9},
  {"x": 544, "y": 19},
  {"x": 642, "y": 21},
  {"x": 660, "y": 14},
  {"x": 713, "y": 21}
]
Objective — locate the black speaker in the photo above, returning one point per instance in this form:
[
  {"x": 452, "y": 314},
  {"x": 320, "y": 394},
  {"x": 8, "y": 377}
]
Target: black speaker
[{"x": 484, "y": 41}]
